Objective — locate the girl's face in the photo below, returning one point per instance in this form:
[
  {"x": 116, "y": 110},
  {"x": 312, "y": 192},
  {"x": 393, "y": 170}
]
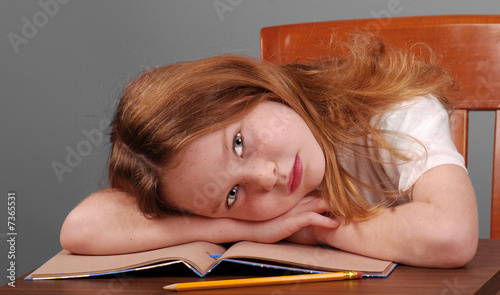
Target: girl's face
[{"x": 255, "y": 169}]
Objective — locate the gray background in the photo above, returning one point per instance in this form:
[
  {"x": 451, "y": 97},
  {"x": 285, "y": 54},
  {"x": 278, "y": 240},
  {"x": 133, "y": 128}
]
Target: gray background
[{"x": 65, "y": 78}]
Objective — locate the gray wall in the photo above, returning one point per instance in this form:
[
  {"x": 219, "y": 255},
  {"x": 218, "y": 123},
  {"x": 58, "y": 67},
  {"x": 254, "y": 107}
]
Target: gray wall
[{"x": 63, "y": 65}]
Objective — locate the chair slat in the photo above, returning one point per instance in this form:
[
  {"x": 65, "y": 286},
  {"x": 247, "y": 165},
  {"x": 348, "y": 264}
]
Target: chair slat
[{"x": 495, "y": 190}]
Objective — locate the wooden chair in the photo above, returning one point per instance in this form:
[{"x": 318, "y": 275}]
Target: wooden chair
[{"x": 468, "y": 45}]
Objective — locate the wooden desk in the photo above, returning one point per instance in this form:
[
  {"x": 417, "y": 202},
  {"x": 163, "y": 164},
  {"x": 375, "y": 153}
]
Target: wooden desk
[{"x": 404, "y": 280}]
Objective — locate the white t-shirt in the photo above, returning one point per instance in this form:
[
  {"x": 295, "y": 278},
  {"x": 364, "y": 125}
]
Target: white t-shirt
[{"x": 428, "y": 143}]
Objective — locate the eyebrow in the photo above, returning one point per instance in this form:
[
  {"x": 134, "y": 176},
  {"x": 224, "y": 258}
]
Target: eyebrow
[{"x": 225, "y": 153}]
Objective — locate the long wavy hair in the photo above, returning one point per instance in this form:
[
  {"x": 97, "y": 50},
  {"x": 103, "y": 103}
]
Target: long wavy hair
[{"x": 165, "y": 108}]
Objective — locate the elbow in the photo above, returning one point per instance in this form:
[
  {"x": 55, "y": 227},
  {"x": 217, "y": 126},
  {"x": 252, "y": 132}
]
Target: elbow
[
  {"x": 455, "y": 247},
  {"x": 458, "y": 255},
  {"x": 74, "y": 235},
  {"x": 71, "y": 242},
  {"x": 463, "y": 250}
]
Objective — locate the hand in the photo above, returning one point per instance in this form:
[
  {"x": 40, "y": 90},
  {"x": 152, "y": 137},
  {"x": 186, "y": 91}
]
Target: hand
[
  {"x": 313, "y": 235},
  {"x": 306, "y": 214}
]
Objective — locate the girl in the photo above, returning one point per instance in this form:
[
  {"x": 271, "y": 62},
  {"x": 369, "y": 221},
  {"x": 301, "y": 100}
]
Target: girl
[{"x": 354, "y": 153}]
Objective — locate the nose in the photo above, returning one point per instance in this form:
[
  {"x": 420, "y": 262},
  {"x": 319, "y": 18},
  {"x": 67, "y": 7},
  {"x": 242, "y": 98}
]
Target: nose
[{"x": 263, "y": 174}]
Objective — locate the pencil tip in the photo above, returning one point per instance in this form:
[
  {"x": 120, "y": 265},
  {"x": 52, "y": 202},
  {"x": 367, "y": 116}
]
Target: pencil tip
[{"x": 172, "y": 287}]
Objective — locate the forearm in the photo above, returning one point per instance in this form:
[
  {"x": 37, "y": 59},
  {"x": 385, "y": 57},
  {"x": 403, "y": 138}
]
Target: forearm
[
  {"x": 109, "y": 222},
  {"x": 412, "y": 234}
]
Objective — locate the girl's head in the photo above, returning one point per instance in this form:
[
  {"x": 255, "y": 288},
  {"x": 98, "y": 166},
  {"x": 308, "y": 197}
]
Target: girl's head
[{"x": 168, "y": 112}]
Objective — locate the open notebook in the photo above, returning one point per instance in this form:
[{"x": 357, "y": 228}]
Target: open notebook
[{"x": 202, "y": 257}]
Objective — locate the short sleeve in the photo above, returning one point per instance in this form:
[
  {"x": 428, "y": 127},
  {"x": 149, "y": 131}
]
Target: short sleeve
[{"x": 426, "y": 128}]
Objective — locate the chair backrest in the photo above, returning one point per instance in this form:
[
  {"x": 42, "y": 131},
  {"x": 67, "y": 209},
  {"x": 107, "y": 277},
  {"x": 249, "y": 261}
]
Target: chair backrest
[{"x": 468, "y": 45}]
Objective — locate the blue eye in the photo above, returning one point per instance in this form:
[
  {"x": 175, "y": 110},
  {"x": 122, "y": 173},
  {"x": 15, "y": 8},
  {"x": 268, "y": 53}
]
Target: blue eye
[
  {"x": 238, "y": 144},
  {"x": 231, "y": 196}
]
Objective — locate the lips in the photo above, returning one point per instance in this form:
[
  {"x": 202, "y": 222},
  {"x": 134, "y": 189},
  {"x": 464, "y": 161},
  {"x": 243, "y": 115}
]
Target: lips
[{"x": 295, "y": 176}]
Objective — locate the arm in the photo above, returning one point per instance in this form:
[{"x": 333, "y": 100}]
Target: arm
[
  {"x": 109, "y": 222},
  {"x": 438, "y": 229}
]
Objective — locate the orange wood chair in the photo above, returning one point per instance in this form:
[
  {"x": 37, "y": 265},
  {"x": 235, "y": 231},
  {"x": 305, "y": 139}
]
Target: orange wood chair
[{"x": 468, "y": 45}]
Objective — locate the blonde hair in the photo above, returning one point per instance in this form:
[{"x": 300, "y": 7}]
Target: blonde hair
[{"x": 165, "y": 108}]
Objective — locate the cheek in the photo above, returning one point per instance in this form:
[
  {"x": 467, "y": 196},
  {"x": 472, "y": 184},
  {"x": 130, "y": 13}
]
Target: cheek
[{"x": 271, "y": 129}]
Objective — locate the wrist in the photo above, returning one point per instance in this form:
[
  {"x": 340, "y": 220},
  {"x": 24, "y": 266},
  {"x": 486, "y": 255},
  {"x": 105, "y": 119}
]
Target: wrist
[
  {"x": 224, "y": 230},
  {"x": 324, "y": 235}
]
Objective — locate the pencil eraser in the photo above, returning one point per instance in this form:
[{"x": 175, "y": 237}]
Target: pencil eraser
[{"x": 360, "y": 275}]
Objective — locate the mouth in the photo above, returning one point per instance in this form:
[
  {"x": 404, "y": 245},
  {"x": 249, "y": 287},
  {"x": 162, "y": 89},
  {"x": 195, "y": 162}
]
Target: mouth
[{"x": 295, "y": 176}]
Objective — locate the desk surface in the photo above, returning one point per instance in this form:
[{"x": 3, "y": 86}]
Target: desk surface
[{"x": 404, "y": 280}]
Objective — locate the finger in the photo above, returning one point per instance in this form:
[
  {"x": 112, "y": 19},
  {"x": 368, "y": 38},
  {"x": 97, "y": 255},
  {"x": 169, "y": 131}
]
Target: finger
[
  {"x": 316, "y": 204},
  {"x": 315, "y": 219},
  {"x": 324, "y": 221},
  {"x": 309, "y": 198}
]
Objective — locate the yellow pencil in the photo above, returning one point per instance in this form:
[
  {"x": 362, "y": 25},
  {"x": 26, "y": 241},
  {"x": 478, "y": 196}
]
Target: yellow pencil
[{"x": 264, "y": 281}]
